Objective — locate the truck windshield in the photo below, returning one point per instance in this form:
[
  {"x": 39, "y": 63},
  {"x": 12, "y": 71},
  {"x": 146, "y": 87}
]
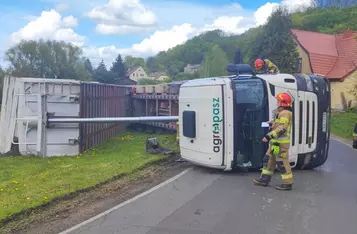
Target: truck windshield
[{"x": 250, "y": 92}]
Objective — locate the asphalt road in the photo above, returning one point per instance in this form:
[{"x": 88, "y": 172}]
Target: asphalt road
[{"x": 324, "y": 201}]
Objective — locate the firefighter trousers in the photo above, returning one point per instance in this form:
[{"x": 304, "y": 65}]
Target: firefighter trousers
[{"x": 279, "y": 159}]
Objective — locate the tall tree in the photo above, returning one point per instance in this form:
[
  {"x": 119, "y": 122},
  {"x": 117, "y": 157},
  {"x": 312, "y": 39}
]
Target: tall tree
[
  {"x": 214, "y": 63},
  {"x": 50, "y": 59},
  {"x": 88, "y": 66},
  {"x": 238, "y": 57},
  {"x": 152, "y": 64},
  {"x": 118, "y": 67},
  {"x": 102, "y": 75},
  {"x": 276, "y": 42},
  {"x": 131, "y": 62}
]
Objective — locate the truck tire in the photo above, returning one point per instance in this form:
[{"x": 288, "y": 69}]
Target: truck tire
[{"x": 300, "y": 163}]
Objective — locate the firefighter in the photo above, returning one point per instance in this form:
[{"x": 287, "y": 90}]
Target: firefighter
[
  {"x": 355, "y": 137},
  {"x": 279, "y": 144},
  {"x": 265, "y": 66}
]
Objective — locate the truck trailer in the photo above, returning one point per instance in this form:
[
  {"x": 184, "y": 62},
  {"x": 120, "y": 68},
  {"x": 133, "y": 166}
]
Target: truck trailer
[{"x": 222, "y": 119}]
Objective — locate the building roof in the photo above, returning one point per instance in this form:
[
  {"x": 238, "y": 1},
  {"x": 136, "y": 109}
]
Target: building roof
[
  {"x": 131, "y": 70},
  {"x": 334, "y": 56}
]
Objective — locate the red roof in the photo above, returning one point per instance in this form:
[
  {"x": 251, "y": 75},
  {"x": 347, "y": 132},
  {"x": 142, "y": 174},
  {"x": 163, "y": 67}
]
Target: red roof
[{"x": 334, "y": 56}]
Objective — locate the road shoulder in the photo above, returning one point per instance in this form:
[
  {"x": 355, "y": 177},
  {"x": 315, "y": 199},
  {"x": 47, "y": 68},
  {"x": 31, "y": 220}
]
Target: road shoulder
[{"x": 66, "y": 213}]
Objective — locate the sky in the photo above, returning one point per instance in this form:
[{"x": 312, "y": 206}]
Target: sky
[{"x": 104, "y": 28}]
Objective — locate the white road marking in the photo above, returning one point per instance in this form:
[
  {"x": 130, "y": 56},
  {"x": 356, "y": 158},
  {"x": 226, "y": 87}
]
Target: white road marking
[{"x": 126, "y": 202}]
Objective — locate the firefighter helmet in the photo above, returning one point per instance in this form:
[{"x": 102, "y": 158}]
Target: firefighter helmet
[
  {"x": 258, "y": 64},
  {"x": 284, "y": 99}
]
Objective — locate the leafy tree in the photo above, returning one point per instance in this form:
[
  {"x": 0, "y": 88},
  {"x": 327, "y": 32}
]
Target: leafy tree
[
  {"x": 102, "y": 75},
  {"x": 88, "y": 66},
  {"x": 118, "y": 67},
  {"x": 276, "y": 42},
  {"x": 327, "y": 20},
  {"x": 131, "y": 62},
  {"x": 238, "y": 57},
  {"x": 50, "y": 59},
  {"x": 152, "y": 64},
  {"x": 334, "y": 3},
  {"x": 215, "y": 63}
]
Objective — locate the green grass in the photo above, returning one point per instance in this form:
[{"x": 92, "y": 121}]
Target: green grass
[
  {"x": 27, "y": 182},
  {"x": 342, "y": 124}
]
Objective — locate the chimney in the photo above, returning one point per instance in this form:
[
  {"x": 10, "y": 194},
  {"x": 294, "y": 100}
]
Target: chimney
[{"x": 347, "y": 34}]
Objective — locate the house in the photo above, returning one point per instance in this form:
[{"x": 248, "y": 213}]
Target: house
[
  {"x": 159, "y": 76},
  {"x": 334, "y": 56},
  {"x": 191, "y": 69},
  {"x": 136, "y": 74}
]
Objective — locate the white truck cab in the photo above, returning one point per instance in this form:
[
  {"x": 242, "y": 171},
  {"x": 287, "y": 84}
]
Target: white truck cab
[{"x": 221, "y": 118}]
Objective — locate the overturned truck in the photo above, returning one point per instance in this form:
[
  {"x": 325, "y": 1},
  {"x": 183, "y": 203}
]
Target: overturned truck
[{"x": 222, "y": 118}]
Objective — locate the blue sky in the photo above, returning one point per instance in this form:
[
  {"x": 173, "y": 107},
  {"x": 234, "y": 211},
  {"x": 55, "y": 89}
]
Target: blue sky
[{"x": 104, "y": 28}]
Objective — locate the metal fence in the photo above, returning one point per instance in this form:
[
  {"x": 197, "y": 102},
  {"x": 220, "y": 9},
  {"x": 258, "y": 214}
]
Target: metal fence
[{"x": 101, "y": 100}]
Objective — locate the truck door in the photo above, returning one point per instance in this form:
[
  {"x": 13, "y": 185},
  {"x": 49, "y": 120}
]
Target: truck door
[{"x": 202, "y": 121}]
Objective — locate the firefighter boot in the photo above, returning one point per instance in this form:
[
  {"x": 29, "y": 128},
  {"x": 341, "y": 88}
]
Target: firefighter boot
[
  {"x": 284, "y": 187},
  {"x": 263, "y": 180}
]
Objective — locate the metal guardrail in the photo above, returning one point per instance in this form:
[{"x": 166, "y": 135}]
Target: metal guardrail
[{"x": 114, "y": 119}]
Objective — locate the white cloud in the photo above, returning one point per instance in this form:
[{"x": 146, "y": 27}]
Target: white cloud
[
  {"x": 122, "y": 17},
  {"x": 294, "y": 5},
  {"x": 164, "y": 40},
  {"x": 69, "y": 22},
  {"x": 228, "y": 24},
  {"x": 262, "y": 13},
  {"x": 49, "y": 25}
]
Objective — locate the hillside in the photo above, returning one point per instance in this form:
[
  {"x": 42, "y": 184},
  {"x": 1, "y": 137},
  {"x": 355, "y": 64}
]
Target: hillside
[{"x": 330, "y": 20}]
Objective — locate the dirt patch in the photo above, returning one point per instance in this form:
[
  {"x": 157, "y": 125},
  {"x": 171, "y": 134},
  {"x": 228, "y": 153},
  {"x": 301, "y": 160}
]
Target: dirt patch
[{"x": 66, "y": 213}]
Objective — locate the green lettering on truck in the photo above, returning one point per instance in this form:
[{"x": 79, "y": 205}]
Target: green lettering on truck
[{"x": 216, "y": 120}]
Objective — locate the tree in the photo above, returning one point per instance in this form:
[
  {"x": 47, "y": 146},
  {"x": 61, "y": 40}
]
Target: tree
[
  {"x": 238, "y": 57},
  {"x": 118, "y": 67},
  {"x": 215, "y": 63},
  {"x": 50, "y": 59},
  {"x": 276, "y": 42},
  {"x": 152, "y": 64},
  {"x": 131, "y": 62},
  {"x": 334, "y": 3},
  {"x": 88, "y": 66},
  {"x": 102, "y": 75},
  {"x": 330, "y": 20}
]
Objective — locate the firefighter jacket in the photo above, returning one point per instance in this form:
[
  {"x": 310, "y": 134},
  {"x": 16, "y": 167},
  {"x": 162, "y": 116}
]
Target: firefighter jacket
[
  {"x": 281, "y": 127},
  {"x": 269, "y": 67}
]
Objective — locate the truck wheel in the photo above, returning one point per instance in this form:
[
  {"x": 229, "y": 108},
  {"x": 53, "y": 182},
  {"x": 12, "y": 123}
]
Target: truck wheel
[{"x": 300, "y": 163}]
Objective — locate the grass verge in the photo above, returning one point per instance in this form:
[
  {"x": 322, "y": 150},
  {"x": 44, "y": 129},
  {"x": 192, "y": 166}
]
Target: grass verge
[
  {"x": 342, "y": 124},
  {"x": 29, "y": 182}
]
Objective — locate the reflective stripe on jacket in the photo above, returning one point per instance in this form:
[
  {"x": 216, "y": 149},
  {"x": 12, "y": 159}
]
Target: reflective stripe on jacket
[{"x": 280, "y": 131}]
